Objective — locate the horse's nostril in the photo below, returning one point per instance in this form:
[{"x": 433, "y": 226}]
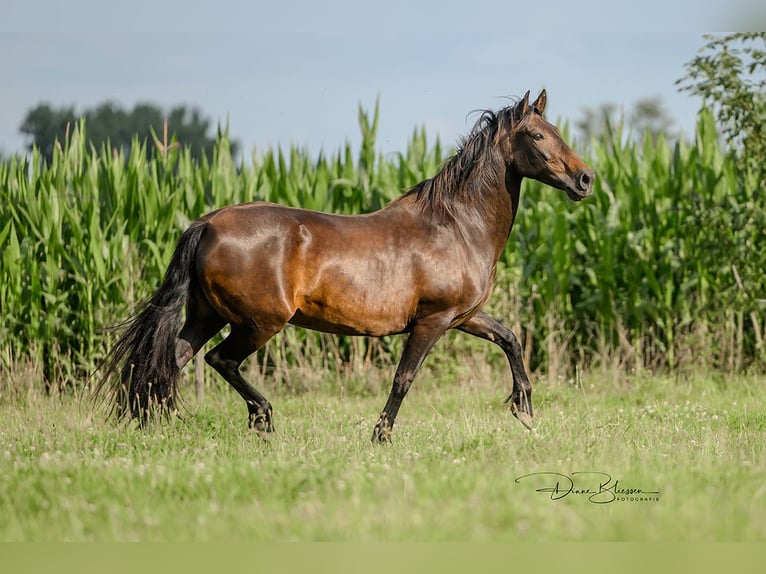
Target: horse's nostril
[{"x": 585, "y": 180}]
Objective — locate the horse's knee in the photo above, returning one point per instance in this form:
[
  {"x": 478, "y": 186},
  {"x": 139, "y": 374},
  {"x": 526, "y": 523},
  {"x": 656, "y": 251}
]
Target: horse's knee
[{"x": 402, "y": 384}]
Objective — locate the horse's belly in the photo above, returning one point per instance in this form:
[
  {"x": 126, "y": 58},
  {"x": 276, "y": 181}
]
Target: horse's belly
[{"x": 374, "y": 314}]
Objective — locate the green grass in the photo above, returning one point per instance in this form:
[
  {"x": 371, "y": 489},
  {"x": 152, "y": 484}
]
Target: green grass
[{"x": 449, "y": 474}]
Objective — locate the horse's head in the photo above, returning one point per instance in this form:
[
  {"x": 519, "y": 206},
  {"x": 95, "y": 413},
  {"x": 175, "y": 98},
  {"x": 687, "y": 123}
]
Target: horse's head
[{"x": 538, "y": 152}]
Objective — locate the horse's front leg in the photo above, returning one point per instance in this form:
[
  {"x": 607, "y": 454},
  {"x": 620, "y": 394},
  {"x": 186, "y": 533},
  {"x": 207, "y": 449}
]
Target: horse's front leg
[
  {"x": 484, "y": 326},
  {"x": 419, "y": 343}
]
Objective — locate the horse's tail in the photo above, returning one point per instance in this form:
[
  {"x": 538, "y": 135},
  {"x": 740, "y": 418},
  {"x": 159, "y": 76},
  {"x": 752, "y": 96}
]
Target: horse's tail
[{"x": 140, "y": 371}]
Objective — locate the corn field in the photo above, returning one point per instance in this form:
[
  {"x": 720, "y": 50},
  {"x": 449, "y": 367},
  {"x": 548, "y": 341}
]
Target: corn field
[{"x": 662, "y": 268}]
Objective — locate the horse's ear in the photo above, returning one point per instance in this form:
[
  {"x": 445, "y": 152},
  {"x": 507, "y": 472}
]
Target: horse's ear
[
  {"x": 522, "y": 108},
  {"x": 539, "y": 103}
]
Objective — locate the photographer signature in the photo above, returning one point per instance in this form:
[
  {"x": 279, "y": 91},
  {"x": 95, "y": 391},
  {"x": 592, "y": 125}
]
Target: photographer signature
[{"x": 599, "y": 487}]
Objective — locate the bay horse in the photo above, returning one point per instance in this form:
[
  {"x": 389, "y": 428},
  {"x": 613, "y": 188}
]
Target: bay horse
[{"x": 423, "y": 264}]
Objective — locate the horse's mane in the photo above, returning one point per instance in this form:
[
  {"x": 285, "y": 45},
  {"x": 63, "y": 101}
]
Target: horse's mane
[{"x": 471, "y": 171}]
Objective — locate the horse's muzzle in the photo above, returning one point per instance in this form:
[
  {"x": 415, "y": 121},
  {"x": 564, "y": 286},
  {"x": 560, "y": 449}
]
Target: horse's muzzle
[
  {"x": 581, "y": 185},
  {"x": 584, "y": 182}
]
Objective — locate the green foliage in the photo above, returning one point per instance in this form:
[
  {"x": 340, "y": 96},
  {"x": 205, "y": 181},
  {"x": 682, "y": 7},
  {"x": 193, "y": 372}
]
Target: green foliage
[
  {"x": 660, "y": 268},
  {"x": 730, "y": 76},
  {"x": 88, "y": 236},
  {"x": 110, "y": 125},
  {"x": 646, "y": 114},
  {"x": 645, "y": 271}
]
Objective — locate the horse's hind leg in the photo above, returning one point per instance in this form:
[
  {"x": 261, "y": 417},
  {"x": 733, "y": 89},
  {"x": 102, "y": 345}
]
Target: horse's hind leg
[
  {"x": 226, "y": 358},
  {"x": 202, "y": 322}
]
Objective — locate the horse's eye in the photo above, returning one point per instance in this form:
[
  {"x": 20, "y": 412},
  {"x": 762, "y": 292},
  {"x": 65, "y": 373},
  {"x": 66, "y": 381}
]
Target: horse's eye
[{"x": 538, "y": 136}]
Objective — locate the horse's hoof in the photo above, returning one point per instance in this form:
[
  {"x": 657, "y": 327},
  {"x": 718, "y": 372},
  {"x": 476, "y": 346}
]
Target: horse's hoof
[
  {"x": 260, "y": 423},
  {"x": 524, "y": 417},
  {"x": 381, "y": 435}
]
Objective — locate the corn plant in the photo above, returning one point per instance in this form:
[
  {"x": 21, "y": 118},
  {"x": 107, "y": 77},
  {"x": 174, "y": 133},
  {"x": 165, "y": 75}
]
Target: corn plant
[{"x": 661, "y": 268}]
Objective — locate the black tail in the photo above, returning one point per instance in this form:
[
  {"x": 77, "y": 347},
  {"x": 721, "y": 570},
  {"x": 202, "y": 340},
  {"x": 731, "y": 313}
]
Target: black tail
[{"x": 144, "y": 355}]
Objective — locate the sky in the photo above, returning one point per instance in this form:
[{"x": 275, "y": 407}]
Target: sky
[{"x": 294, "y": 72}]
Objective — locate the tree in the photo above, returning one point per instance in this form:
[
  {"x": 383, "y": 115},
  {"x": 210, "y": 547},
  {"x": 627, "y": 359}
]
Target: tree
[
  {"x": 108, "y": 123},
  {"x": 730, "y": 76},
  {"x": 45, "y": 125},
  {"x": 597, "y": 122},
  {"x": 647, "y": 114}
]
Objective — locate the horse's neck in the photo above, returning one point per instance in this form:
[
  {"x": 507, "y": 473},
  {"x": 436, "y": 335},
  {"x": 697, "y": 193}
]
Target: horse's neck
[
  {"x": 496, "y": 215},
  {"x": 513, "y": 188},
  {"x": 486, "y": 223}
]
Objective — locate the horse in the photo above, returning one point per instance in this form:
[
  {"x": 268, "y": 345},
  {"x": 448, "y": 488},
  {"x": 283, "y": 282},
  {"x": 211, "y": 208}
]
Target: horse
[{"x": 423, "y": 264}]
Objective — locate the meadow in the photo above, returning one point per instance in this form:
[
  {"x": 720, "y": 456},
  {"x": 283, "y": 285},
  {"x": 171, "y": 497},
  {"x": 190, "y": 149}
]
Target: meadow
[
  {"x": 694, "y": 446},
  {"x": 640, "y": 311}
]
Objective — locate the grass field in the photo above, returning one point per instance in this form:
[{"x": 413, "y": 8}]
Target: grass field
[{"x": 450, "y": 473}]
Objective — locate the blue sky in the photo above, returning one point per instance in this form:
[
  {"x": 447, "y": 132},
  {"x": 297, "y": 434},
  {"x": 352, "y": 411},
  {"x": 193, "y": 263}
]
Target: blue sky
[{"x": 293, "y": 72}]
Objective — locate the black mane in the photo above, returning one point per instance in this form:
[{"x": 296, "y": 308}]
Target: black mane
[{"x": 474, "y": 168}]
